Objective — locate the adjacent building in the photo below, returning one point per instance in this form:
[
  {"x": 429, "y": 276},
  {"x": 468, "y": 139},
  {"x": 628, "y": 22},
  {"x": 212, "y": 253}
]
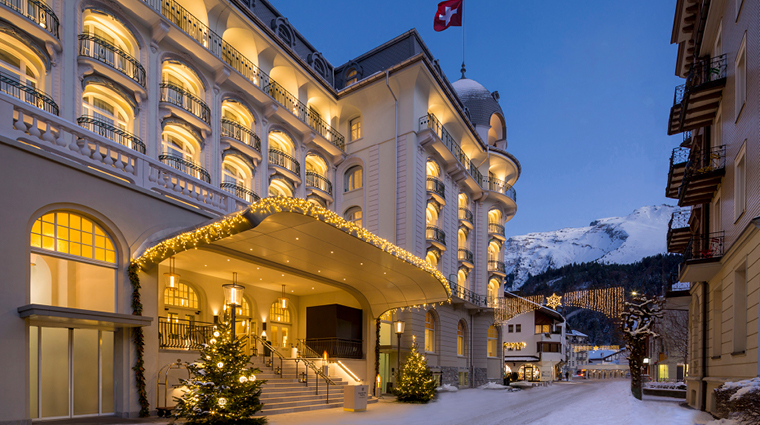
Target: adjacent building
[
  {"x": 207, "y": 142},
  {"x": 576, "y": 351},
  {"x": 714, "y": 178},
  {"x": 534, "y": 345}
]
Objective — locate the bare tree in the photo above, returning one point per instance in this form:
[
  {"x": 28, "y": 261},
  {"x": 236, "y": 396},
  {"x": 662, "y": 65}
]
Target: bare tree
[
  {"x": 638, "y": 318},
  {"x": 674, "y": 332}
]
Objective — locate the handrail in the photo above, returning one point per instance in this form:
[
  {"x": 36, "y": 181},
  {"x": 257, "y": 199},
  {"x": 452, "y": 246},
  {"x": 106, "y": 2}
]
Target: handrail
[
  {"x": 235, "y": 130},
  {"x": 679, "y": 219},
  {"x": 705, "y": 246},
  {"x": 317, "y": 371},
  {"x": 240, "y": 191},
  {"x": 111, "y": 132},
  {"x": 436, "y": 186},
  {"x": 187, "y": 167},
  {"x": 304, "y": 348},
  {"x": 183, "y": 334},
  {"x": 282, "y": 159},
  {"x": 182, "y": 98},
  {"x": 431, "y": 122},
  {"x": 38, "y": 12},
  {"x": 467, "y": 294},
  {"x": 496, "y": 185},
  {"x": 435, "y": 234},
  {"x": 496, "y": 228},
  {"x": 465, "y": 255},
  {"x": 91, "y": 46},
  {"x": 316, "y": 180},
  {"x": 496, "y": 266},
  {"x": 13, "y": 87},
  {"x": 465, "y": 214},
  {"x": 272, "y": 352}
]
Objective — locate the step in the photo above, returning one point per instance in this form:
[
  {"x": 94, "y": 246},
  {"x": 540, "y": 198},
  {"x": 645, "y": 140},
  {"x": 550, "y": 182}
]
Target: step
[
  {"x": 319, "y": 406},
  {"x": 290, "y": 398},
  {"x": 320, "y": 399}
]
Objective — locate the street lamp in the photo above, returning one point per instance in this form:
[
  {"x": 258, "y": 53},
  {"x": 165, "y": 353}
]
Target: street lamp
[
  {"x": 233, "y": 296},
  {"x": 398, "y": 326}
]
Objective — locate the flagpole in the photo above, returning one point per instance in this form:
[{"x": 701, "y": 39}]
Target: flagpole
[{"x": 463, "y": 68}]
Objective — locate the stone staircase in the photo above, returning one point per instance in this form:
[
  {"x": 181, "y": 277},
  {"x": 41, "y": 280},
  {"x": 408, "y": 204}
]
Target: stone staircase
[{"x": 284, "y": 394}]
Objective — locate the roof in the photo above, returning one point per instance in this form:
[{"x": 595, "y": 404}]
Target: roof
[
  {"x": 480, "y": 102},
  {"x": 520, "y": 358},
  {"x": 573, "y": 332}
]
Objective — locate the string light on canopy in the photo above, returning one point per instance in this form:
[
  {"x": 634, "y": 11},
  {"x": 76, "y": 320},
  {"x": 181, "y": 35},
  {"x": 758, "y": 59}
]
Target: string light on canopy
[{"x": 172, "y": 278}]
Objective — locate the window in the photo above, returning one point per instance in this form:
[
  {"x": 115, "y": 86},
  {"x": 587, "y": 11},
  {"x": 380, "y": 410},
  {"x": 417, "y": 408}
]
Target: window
[
  {"x": 510, "y": 328},
  {"x": 279, "y": 187},
  {"x": 233, "y": 174},
  {"x": 279, "y": 329},
  {"x": 279, "y": 314},
  {"x": 354, "y": 215},
  {"x": 717, "y": 323},
  {"x": 356, "y": 128},
  {"x": 352, "y": 76},
  {"x": 20, "y": 70},
  {"x": 354, "y": 178},
  {"x": 740, "y": 77},
  {"x": 460, "y": 339},
  {"x": 740, "y": 182},
  {"x": 662, "y": 372},
  {"x": 543, "y": 329},
  {"x": 430, "y": 332},
  {"x": 518, "y": 328},
  {"x": 182, "y": 296},
  {"x": 73, "y": 263},
  {"x": 493, "y": 341},
  {"x": 463, "y": 379}
]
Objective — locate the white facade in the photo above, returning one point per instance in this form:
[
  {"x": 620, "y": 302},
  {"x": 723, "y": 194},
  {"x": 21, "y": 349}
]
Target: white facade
[{"x": 534, "y": 345}]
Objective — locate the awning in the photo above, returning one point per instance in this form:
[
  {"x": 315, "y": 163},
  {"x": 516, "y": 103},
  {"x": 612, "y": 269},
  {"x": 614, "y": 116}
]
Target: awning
[
  {"x": 306, "y": 240},
  {"x": 46, "y": 315}
]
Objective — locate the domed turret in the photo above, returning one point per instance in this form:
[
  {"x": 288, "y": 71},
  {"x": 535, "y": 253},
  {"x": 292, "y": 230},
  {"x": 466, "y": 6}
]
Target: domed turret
[{"x": 479, "y": 101}]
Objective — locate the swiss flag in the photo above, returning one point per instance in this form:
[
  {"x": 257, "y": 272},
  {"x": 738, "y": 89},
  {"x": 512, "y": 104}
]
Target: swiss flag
[{"x": 449, "y": 14}]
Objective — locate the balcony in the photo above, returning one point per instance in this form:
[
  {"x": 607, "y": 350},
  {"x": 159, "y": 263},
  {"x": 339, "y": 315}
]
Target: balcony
[
  {"x": 497, "y": 267},
  {"x": 40, "y": 18},
  {"x": 466, "y": 218},
  {"x": 285, "y": 163},
  {"x": 677, "y": 294},
  {"x": 448, "y": 148},
  {"x": 703, "y": 175},
  {"x": 679, "y": 232},
  {"x": 109, "y": 131},
  {"x": 702, "y": 257},
  {"x": 496, "y": 230},
  {"x": 317, "y": 181},
  {"x": 186, "y": 105},
  {"x": 462, "y": 295},
  {"x": 436, "y": 189},
  {"x": 10, "y": 85},
  {"x": 180, "y": 334},
  {"x": 678, "y": 160},
  {"x": 113, "y": 62},
  {"x": 234, "y": 131},
  {"x": 466, "y": 258},
  {"x": 241, "y": 192},
  {"x": 188, "y": 167},
  {"x": 696, "y": 102},
  {"x": 337, "y": 347},
  {"x": 436, "y": 237}
]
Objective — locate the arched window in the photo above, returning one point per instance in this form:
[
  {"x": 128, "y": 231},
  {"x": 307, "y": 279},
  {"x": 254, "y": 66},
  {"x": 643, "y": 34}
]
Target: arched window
[
  {"x": 461, "y": 338},
  {"x": 430, "y": 332},
  {"x": 278, "y": 314},
  {"x": 494, "y": 251},
  {"x": 20, "y": 65},
  {"x": 354, "y": 215},
  {"x": 279, "y": 187},
  {"x": 493, "y": 288},
  {"x": 493, "y": 341},
  {"x": 462, "y": 238},
  {"x": 432, "y": 257},
  {"x": 317, "y": 166},
  {"x": 279, "y": 329},
  {"x": 431, "y": 214},
  {"x": 494, "y": 216},
  {"x": 352, "y": 76},
  {"x": 462, "y": 278},
  {"x": 73, "y": 263},
  {"x": 107, "y": 113},
  {"x": 354, "y": 178},
  {"x": 464, "y": 200},
  {"x": 432, "y": 169},
  {"x": 181, "y": 77},
  {"x": 183, "y": 296},
  {"x": 181, "y": 149}
]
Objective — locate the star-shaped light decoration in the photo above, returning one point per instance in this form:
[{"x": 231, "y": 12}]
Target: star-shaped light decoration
[{"x": 553, "y": 301}]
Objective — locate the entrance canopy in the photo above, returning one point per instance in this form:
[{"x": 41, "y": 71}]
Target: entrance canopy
[{"x": 305, "y": 240}]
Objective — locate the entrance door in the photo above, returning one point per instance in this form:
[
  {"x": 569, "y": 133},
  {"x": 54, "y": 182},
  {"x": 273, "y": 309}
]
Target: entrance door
[
  {"x": 385, "y": 374},
  {"x": 281, "y": 336},
  {"x": 71, "y": 372}
]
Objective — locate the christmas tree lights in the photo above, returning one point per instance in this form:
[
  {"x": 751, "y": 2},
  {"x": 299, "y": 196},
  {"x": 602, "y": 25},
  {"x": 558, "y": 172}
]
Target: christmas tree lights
[{"x": 415, "y": 383}]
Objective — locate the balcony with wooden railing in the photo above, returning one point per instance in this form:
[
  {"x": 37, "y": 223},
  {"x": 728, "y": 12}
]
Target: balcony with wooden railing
[
  {"x": 702, "y": 176},
  {"x": 679, "y": 232},
  {"x": 678, "y": 159},
  {"x": 696, "y": 102}
]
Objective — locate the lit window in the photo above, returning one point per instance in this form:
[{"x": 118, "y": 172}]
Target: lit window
[
  {"x": 15, "y": 65},
  {"x": 352, "y": 76},
  {"x": 278, "y": 314},
  {"x": 460, "y": 339},
  {"x": 72, "y": 234},
  {"x": 493, "y": 339},
  {"x": 354, "y": 178},
  {"x": 354, "y": 215},
  {"x": 430, "y": 332},
  {"x": 278, "y": 187},
  {"x": 356, "y": 128},
  {"x": 182, "y": 296},
  {"x": 543, "y": 329},
  {"x": 740, "y": 77}
]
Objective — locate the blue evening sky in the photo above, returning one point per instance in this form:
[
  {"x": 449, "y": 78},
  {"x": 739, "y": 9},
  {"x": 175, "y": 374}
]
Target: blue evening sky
[{"x": 586, "y": 88}]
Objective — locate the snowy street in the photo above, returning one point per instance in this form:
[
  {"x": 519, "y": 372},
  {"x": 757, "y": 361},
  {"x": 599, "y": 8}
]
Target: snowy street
[{"x": 577, "y": 402}]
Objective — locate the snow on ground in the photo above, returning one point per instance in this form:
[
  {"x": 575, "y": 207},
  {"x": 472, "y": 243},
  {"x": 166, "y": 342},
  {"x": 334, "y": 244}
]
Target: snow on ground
[{"x": 567, "y": 403}]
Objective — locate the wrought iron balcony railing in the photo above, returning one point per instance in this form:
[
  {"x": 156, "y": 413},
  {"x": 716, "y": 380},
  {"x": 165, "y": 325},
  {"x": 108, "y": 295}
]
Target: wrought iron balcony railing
[
  {"x": 704, "y": 247},
  {"x": 37, "y": 12},
  {"x": 701, "y": 72},
  {"x": 496, "y": 266},
  {"x": 465, "y": 255},
  {"x": 180, "y": 334},
  {"x": 94, "y": 47},
  {"x": 436, "y": 186},
  {"x": 465, "y": 294},
  {"x": 109, "y": 131},
  {"x": 280, "y": 158},
  {"x": 241, "y": 192},
  {"x": 304, "y": 113},
  {"x": 186, "y": 166},
  {"x": 686, "y": 138},
  {"x": 431, "y": 122},
  {"x": 496, "y": 229},
  {"x": 433, "y": 233},
  {"x": 706, "y": 161},
  {"x": 679, "y": 219},
  {"x": 235, "y": 130},
  {"x": 679, "y": 156},
  {"x": 496, "y": 185},
  {"x": 10, "y": 85},
  {"x": 318, "y": 181},
  {"x": 182, "y": 98},
  {"x": 336, "y": 347},
  {"x": 466, "y": 215}
]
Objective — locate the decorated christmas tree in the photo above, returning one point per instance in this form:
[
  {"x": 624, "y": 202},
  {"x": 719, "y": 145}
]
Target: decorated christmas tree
[
  {"x": 222, "y": 389},
  {"x": 415, "y": 383}
]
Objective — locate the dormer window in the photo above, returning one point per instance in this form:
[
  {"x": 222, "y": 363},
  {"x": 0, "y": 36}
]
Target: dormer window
[{"x": 352, "y": 76}]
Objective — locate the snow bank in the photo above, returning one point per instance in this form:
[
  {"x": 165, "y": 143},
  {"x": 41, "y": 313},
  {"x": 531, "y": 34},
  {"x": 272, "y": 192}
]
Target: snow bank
[
  {"x": 447, "y": 388},
  {"x": 492, "y": 386},
  {"x": 745, "y": 386},
  {"x": 665, "y": 385}
]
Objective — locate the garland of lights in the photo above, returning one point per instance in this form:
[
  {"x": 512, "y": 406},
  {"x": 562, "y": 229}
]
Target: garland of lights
[
  {"x": 608, "y": 301},
  {"x": 139, "y": 340},
  {"x": 377, "y": 352}
]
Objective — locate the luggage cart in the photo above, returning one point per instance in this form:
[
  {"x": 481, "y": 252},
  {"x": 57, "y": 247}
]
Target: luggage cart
[{"x": 164, "y": 410}]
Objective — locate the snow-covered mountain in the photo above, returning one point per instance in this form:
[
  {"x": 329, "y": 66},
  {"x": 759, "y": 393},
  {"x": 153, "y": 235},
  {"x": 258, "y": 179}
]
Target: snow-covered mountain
[{"x": 621, "y": 240}]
